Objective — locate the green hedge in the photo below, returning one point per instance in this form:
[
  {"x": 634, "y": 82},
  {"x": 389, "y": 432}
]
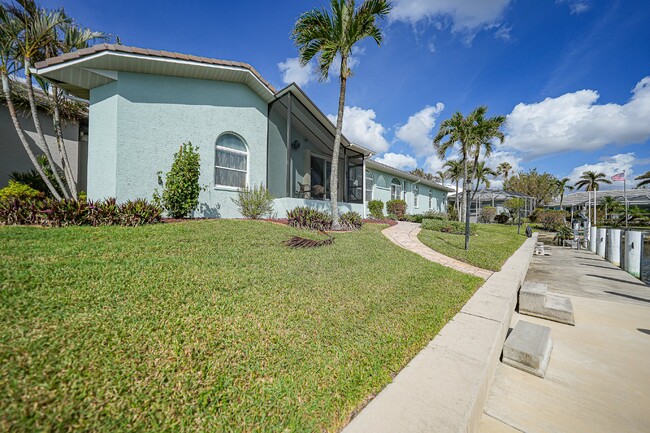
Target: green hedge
[{"x": 455, "y": 227}]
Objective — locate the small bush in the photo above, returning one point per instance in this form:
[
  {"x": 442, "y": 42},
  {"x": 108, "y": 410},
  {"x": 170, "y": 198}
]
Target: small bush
[
  {"x": 397, "y": 208},
  {"x": 488, "y": 214},
  {"x": 376, "y": 209},
  {"x": 454, "y": 227},
  {"x": 392, "y": 216},
  {"x": 417, "y": 218},
  {"x": 452, "y": 212},
  {"x": 254, "y": 203},
  {"x": 53, "y": 213},
  {"x": 434, "y": 215},
  {"x": 502, "y": 219},
  {"x": 20, "y": 191},
  {"x": 351, "y": 221},
  {"x": 308, "y": 218},
  {"x": 551, "y": 219},
  {"x": 181, "y": 188}
]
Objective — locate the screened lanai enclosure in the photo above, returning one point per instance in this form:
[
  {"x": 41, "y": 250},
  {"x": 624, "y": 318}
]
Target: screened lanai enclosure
[
  {"x": 300, "y": 147},
  {"x": 496, "y": 198}
]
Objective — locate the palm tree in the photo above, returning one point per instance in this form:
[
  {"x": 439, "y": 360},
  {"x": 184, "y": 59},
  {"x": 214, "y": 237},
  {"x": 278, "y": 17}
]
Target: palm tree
[
  {"x": 610, "y": 204},
  {"x": 454, "y": 173},
  {"x": 473, "y": 134},
  {"x": 590, "y": 180},
  {"x": 319, "y": 33},
  {"x": 481, "y": 173},
  {"x": 504, "y": 168},
  {"x": 38, "y": 29},
  {"x": 10, "y": 28},
  {"x": 442, "y": 176},
  {"x": 644, "y": 178},
  {"x": 562, "y": 186}
]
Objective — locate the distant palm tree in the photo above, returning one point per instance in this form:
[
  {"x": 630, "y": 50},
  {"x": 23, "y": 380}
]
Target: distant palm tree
[
  {"x": 644, "y": 178},
  {"x": 590, "y": 180},
  {"x": 610, "y": 204},
  {"x": 442, "y": 176},
  {"x": 482, "y": 173},
  {"x": 454, "y": 173},
  {"x": 328, "y": 35},
  {"x": 504, "y": 168},
  {"x": 562, "y": 186}
]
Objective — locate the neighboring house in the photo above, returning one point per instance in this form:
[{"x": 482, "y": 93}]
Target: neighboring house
[
  {"x": 13, "y": 157},
  {"x": 496, "y": 198},
  {"x": 144, "y": 104},
  {"x": 579, "y": 201}
]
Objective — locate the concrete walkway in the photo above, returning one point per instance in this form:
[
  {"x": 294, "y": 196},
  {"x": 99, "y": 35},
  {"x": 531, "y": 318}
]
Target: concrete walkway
[
  {"x": 598, "y": 375},
  {"x": 405, "y": 235}
]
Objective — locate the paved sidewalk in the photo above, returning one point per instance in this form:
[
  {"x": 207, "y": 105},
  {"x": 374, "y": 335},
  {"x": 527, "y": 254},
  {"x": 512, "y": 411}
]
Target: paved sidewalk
[{"x": 405, "y": 235}]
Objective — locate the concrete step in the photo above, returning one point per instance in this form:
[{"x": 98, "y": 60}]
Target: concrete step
[
  {"x": 528, "y": 348},
  {"x": 535, "y": 301}
]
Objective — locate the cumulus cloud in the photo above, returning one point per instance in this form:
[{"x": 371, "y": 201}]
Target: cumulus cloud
[
  {"x": 417, "y": 132},
  {"x": 465, "y": 15},
  {"x": 398, "y": 160},
  {"x": 360, "y": 127},
  {"x": 574, "y": 121},
  {"x": 609, "y": 165},
  {"x": 293, "y": 72}
]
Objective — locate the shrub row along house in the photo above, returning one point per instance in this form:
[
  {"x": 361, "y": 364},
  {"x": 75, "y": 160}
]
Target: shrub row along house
[{"x": 144, "y": 104}]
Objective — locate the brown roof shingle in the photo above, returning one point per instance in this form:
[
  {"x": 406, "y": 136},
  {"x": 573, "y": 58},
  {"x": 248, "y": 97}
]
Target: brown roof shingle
[{"x": 148, "y": 52}]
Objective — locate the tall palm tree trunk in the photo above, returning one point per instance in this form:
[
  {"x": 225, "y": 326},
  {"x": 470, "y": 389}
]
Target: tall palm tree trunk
[
  {"x": 6, "y": 88},
  {"x": 334, "y": 188},
  {"x": 63, "y": 153},
  {"x": 39, "y": 130},
  {"x": 457, "y": 201}
]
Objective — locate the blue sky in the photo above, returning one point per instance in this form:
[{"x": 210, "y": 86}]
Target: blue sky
[{"x": 573, "y": 76}]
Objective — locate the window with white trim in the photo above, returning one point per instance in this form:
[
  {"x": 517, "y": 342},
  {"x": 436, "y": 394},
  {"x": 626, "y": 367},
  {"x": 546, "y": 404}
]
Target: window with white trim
[
  {"x": 395, "y": 189},
  {"x": 370, "y": 182},
  {"x": 430, "y": 199},
  {"x": 416, "y": 192},
  {"x": 231, "y": 161}
]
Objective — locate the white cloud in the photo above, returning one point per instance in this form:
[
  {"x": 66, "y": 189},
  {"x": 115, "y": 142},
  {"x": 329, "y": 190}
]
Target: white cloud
[
  {"x": 574, "y": 121},
  {"x": 465, "y": 15},
  {"x": 609, "y": 165},
  {"x": 293, "y": 72},
  {"x": 433, "y": 164},
  {"x": 417, "y": 131},
  {"x": 398, "y": 160},
  {"x": 360, "y": 127},
  {"x": 575, "y": 6}
]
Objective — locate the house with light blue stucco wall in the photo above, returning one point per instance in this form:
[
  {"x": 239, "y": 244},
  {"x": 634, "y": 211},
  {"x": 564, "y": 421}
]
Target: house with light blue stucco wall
[{"x": 145, "y": 103}]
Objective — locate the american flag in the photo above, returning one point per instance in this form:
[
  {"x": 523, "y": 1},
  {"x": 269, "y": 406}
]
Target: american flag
[{"x": 619, "y": 177}]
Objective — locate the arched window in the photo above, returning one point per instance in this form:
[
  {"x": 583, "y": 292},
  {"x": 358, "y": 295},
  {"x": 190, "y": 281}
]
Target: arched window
[
  {"x": 382, "y": 182},
  {"x": 416, "y": 193},
  {"x": 370, "y": 182},
  {"x": 395, "y": 189},
  {"x": 231, "y": 161}
]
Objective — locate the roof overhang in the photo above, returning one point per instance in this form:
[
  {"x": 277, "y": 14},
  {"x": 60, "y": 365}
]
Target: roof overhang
[
  {"x": 406, "y": 175},
  {"x": 79, "y": 73}
]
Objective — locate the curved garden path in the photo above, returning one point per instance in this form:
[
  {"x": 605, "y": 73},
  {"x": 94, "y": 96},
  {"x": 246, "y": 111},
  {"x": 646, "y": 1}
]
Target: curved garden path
[{"x": 405, "y": 235}]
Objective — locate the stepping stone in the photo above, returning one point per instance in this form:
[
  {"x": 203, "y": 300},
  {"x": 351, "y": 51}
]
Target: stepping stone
[
  {"x": 528, "y": 348},
  {"x": 535, "y": 301}
]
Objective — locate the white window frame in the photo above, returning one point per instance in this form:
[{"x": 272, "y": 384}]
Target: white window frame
[
  {"x": 395, "y": 193},
  {"x": 430, "y": 199},
  {"x": 370, "y": 186},
  {"x": 416, "y": 193},
  {"x": 239, "y": 152}
]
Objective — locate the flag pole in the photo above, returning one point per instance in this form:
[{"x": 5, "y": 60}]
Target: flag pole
[{"x": 625, "y": 195}]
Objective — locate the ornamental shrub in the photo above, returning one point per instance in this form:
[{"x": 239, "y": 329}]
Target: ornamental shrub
[
  {"x": 396, "y": 207},
  {"x": 308, "y": 218},
  {"x": 454, "y": 227},
  {"x": 180, "y": 195},
  {"x": 254, "y": 203},
  {"x": 54, "y": 213},
  {"x": 502, "y": 219},
  {"x": 552, "y": 219},
  {"x": 350, "y": 221},
  {"x": 376, "y": 209},
  {"x": 488, "y": 213},
  {"x": 20, "y": 191},
  {"x": 435, "y": 215}
]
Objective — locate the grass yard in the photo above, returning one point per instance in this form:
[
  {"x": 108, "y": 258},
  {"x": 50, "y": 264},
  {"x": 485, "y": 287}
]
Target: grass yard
[
  {"x": 489, "y": 249},
  {"x": 207, "y": 326}
]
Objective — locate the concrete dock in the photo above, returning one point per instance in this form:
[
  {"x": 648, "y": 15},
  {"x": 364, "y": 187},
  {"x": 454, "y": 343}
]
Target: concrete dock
[{"x": 598, "y": 377}]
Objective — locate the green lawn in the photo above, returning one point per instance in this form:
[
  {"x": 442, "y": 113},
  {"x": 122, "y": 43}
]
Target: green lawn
[
  {"x": 489, "y": 249},
  {"x": 207, "y": 326}
]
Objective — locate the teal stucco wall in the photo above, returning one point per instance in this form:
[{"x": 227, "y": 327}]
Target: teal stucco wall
[
  {"x": 381, "y": 191},
  {"x": 140, "y": 121}
]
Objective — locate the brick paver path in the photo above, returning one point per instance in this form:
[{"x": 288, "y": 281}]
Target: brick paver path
[{"x": 405, "y": 235}]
